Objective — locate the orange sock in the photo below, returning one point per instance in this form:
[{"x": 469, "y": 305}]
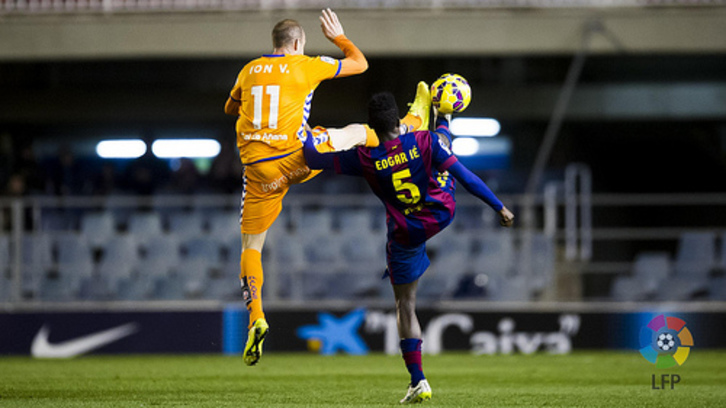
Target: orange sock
[
  {"x": 251, "y": 266},
  {"x": 412, "y": 120}
]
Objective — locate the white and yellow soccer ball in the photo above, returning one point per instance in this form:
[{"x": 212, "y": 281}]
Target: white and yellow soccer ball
[{"x": 450, "y": 93}]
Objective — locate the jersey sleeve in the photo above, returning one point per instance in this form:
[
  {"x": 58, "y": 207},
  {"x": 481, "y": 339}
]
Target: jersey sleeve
[
  {"x": 321, "y": 68},
  {"x": 231, "y": 107},
  {"x": 345, "y": 162},
  {"x": 348, "y": 162},
  {"x": 441, "y": 156}
]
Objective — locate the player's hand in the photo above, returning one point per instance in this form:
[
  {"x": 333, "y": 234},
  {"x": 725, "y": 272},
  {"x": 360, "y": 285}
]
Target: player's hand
[
  {"x": 507, "y": 218},
  {"x": 330, "y": 24}
]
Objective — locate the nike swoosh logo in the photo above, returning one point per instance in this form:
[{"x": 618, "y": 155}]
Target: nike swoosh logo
[{"x": 42, "y": 348}]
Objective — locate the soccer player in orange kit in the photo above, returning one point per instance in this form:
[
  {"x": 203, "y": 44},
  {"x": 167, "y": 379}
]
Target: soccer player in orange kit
[{"x": 272, "y": 97}]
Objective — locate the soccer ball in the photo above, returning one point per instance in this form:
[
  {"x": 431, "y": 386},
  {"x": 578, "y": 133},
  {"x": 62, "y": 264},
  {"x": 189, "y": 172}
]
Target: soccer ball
[{"x": 450, "y": 93}]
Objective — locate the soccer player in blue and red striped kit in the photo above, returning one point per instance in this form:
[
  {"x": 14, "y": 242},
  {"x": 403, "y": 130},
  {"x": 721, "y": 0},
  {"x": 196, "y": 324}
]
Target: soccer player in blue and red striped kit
[{"x": 409, "y": 172}]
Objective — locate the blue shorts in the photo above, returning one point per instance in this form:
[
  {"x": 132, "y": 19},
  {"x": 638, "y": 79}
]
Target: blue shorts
[{"x": 406, "y": 264}]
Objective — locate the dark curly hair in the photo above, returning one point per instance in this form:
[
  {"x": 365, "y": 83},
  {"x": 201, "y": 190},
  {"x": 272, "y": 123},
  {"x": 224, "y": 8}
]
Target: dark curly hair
[{"x": 382, "y": 113}]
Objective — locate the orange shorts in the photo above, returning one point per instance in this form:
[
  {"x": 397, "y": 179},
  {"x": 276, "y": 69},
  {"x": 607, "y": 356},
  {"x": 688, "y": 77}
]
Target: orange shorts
[{"x": 267, "y": 182}]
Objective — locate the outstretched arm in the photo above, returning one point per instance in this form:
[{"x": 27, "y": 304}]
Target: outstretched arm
[
  {"x": 345, "y": 162},
  {"x": 354, "y": 62},
  {"x": 476, "y": 186},
  {"x": 316, "y": 160},
  {"x": 231, "y": 107}
]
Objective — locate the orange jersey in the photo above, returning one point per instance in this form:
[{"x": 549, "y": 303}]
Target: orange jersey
[{"x": 275, "y": 93}]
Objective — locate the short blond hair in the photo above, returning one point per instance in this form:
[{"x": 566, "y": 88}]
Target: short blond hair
[{"x": 285, "y": 32}]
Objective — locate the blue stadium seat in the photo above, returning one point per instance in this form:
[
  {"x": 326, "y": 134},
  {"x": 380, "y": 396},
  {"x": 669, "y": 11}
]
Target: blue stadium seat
[
  {"x": 323, "y": 249},
  {"x": 354, "y": 222},
  {"x": 142, "y": 284},
  {"x": 4, "y": 253},
  {"x": 717, "y": 288},
  {"x": 223, "y": 288},
  {"x": 145, "y": 226},
  {"x": 165, "y": 250},
  {"x": 57, "y": 220},
  {"x": 36, "y": 260},
  {"x": 721, "y": 265},
  {"x": 512, "y": 289},
  {"x": 696, "y": 255},
  {"x": 168, "y": 288},
  {"x": 98, "y": 228},
  {"x": 362, "y": 247},
  {"x": 316, "y": 223},
  {"x": 652, "y": 268},
  {"x": 649, "y": 271},
  {"x": 628, "y": 289},
  {"x": 119, "y": 258},
  {"x": 186, "y": 225},
  {"x": 357, "y": 280},
  {"x": 193, "y": 273},
  {"x": 204, "y": 249},
  {"x": 6, "y": 287},
  {"x": 676, "y": 289},
  {"x": 494, "y": 253},
  {"x": 74, "y": 266},
  {"x": 470, "y": 218},
  {"x": 223, "y": 225},
  {"x": 288, "y": 251}
]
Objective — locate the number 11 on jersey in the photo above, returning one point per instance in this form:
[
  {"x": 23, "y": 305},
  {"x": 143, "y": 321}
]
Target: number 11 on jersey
[{"x": 258, "y": 95}]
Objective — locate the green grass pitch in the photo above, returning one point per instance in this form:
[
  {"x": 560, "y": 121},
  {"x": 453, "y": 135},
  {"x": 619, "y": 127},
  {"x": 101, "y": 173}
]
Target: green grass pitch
[{"x": 581, "y": 379}]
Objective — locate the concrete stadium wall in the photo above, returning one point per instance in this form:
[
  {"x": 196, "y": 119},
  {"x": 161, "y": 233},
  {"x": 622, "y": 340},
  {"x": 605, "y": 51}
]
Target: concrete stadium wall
[{"x": 378, "y": 32}]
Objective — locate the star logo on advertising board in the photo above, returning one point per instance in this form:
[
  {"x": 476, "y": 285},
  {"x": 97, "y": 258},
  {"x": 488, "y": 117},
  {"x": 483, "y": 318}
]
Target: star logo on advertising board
[{"x": 337, "y": 334}]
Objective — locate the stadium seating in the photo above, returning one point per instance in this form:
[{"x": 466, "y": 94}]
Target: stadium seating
[
  {"x": 98, "y": 227},
  {"x": 145, "y": 226},
  {"x": 186, "y": 224},
  {"x": 696, "y": 255},
  {"x": 205, "y": 251},
  {"x": 537, "y": 263},
  {"x": 6, "y": 283},
  {"x": 627, "y": 289},
  {"x": 4, "y": 252},
  {"x": 36, "y": 260},
  {"x": 57, "y": 220},
  {"x": 74, "y": 265},
  {"x": 193, "y": 274},
  {"x": 223, "y": 226},
  {"x": 316, "y": 223},
  {"x": 142, "y": 284},
  {"x": 511, "y": 289},
  {"x": 495, "y": 253},
  {"x": 164, "y": 249},
  {"x": 717, "y": 288},
  {"x": 323, "y": 254},
  {"x": 649, "y": 270},
  {"x": 721, "y": 265},
  {"x": 355, "y": 222},
  {"x": 119, "y": 258}
]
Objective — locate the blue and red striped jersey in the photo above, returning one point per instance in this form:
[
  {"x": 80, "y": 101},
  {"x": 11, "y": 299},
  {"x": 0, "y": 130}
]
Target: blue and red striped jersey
[{"x": 408, "y": 174}]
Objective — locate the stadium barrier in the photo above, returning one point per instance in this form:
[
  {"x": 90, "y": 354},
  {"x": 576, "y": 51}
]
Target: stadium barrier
[{"x": 330, "y": 329}]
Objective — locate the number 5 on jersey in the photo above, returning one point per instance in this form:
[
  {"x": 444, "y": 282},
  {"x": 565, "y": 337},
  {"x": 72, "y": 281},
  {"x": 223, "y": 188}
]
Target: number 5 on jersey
[
  {"x": 401, "y": 186},
  {"x": 258, "y": 95}
]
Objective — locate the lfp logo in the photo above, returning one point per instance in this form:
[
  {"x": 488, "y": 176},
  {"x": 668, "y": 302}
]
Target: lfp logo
[{"x": 665, "y": 341}]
